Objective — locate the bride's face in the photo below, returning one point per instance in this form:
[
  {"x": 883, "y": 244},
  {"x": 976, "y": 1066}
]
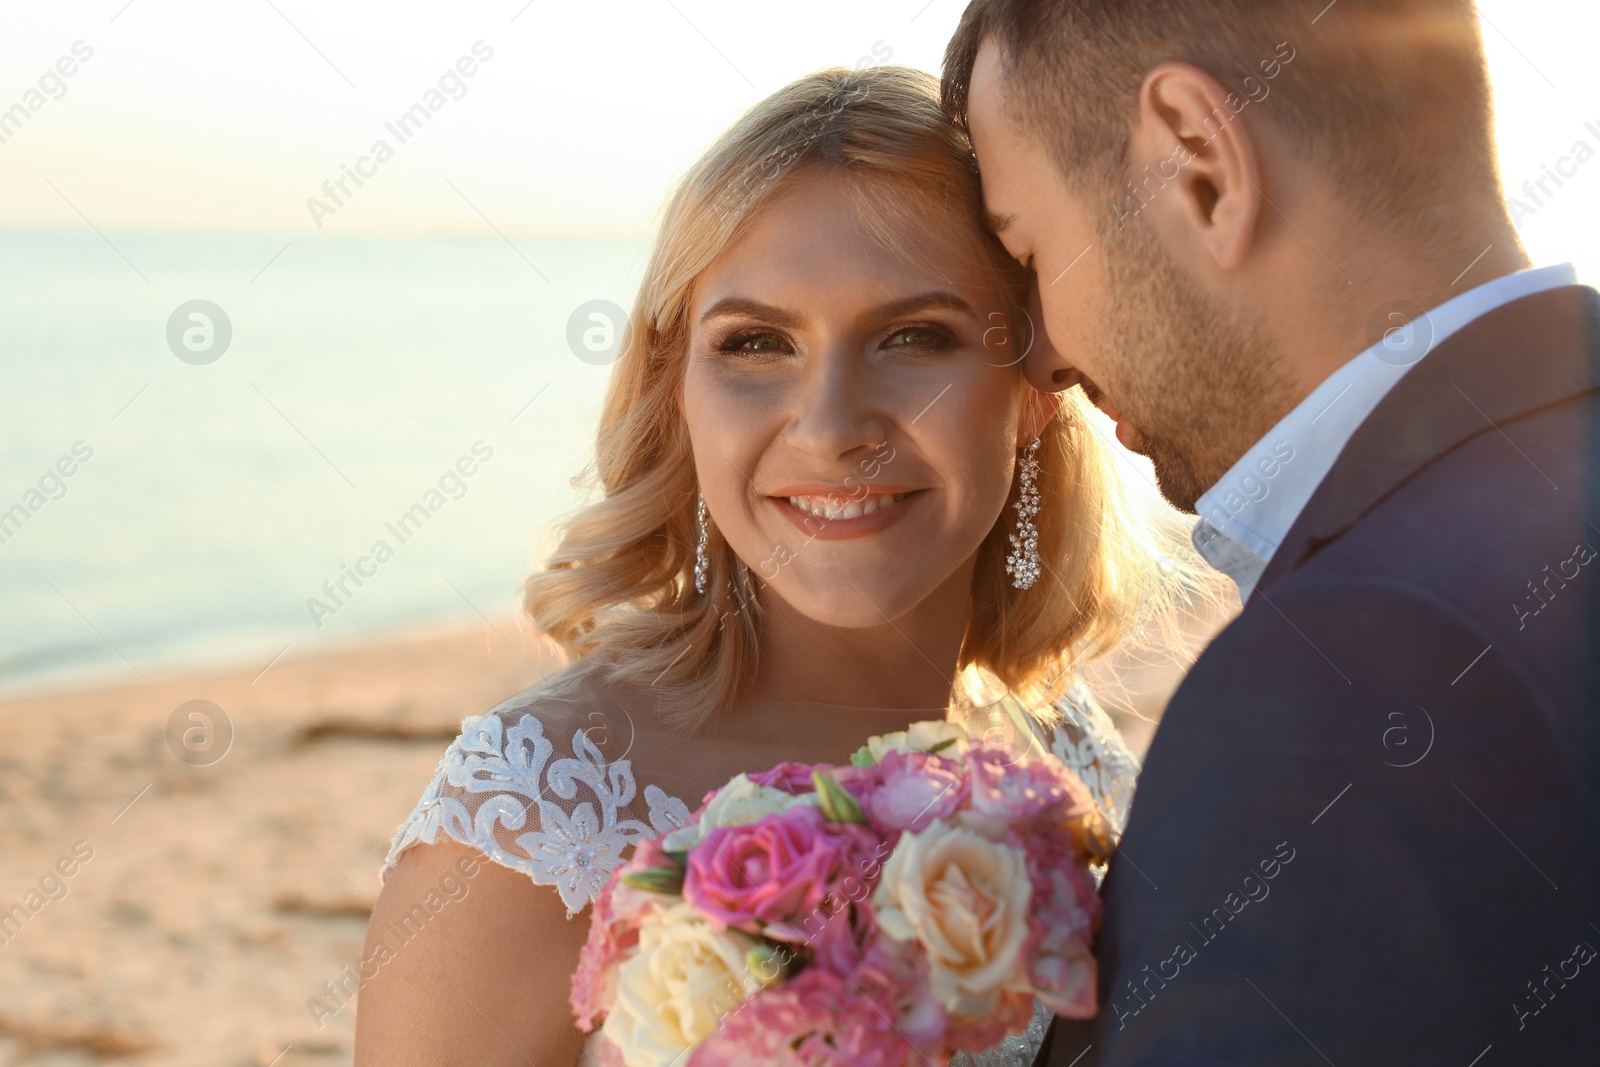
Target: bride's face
[{"x": 854, "y": 414}]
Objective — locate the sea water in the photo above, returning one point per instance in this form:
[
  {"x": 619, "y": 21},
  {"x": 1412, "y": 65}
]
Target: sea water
[{"x": 422, "y": 395}]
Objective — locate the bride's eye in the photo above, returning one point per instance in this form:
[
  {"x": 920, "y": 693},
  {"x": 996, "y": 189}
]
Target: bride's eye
[
  {"x": 753, "y": 342},
  {"x": 919, "y": 337}
]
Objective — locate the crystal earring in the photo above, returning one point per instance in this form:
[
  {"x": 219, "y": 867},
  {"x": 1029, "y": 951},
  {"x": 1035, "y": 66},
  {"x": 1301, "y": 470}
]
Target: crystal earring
[
  {"x": 1022, "y": 563},
  {"x": 701, "y": 565}
]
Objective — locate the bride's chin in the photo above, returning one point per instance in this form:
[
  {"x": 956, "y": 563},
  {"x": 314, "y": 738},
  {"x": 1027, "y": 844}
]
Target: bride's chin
[{"x": 846, "y": 605}]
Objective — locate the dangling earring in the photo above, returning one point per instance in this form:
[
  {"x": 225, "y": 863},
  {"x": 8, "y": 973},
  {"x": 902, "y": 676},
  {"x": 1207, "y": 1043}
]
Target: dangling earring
[
  {"x": 1023, "y": 561},
  {"x": 701, "y": 565}
]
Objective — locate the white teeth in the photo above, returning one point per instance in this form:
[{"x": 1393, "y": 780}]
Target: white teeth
[{"x": 834, "y": 507}]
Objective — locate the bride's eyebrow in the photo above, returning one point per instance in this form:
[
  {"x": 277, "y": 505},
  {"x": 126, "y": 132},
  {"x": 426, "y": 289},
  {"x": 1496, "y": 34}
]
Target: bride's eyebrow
[
  {"x": 746, "y": 307},
  {"x": 755, "y": 309},
  {"x": 937, "y": 298}
]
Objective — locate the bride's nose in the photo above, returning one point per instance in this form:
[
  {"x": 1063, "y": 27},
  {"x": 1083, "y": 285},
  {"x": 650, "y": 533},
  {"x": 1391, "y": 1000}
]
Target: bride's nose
[{"x": 836, "y": 409}]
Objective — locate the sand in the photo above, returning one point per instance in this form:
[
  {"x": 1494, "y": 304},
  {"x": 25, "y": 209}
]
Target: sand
[
  {"x": 218, "y": 899},
  {"x": 183, "y": 914}
]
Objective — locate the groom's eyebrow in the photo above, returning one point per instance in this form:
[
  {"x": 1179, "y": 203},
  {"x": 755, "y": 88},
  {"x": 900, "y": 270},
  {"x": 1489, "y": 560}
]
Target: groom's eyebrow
[{"x": 997, "y": 223}]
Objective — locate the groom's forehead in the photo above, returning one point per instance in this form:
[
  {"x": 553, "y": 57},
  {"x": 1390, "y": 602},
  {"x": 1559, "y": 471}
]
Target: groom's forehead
[
  {"x": 991, "y": 122},
  {"x": 1005, "y": 152}
]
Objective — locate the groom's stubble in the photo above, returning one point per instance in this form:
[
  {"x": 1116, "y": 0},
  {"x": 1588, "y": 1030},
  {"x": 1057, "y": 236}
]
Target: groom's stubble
[{"x": 1199, "y": 382}]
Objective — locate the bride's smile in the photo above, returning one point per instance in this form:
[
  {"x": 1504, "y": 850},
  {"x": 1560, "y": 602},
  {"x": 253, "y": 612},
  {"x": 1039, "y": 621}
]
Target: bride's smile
[{"x": 840, "y": 512}]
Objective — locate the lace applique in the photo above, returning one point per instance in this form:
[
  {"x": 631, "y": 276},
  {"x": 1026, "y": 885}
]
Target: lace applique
[
  {"x": 1087, "y": 741},
  {"x": 494, "y": 774}
]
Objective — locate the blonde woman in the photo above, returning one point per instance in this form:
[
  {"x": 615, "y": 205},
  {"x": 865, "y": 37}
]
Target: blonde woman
[{"x": 812, "y": 458}]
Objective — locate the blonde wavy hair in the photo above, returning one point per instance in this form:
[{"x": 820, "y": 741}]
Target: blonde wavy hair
[{"x": 619, "y": 583}]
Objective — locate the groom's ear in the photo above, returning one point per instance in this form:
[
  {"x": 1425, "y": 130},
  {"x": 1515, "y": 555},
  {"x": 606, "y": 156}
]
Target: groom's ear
[{"x": 1204, "y": 165}]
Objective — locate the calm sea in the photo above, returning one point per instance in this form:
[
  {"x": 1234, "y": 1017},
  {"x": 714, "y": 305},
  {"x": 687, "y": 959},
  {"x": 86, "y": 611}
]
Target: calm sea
[{"x": 422, "y": 395}]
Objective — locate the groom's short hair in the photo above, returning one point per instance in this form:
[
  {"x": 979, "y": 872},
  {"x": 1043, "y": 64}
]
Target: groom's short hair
[{"x": 1389, "y": 97}]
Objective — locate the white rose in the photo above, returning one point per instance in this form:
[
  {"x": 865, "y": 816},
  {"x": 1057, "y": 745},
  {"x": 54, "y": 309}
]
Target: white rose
[
  {"x": 965, "y": 900},
  {"x": 671, "y": 994},
  {"x": 920, "y": 737},
  {"x": 738, "y": 803}
]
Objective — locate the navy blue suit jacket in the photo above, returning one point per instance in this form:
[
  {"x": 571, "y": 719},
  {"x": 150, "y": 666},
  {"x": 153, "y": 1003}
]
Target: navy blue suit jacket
[{"x": 1367, "y": 831}]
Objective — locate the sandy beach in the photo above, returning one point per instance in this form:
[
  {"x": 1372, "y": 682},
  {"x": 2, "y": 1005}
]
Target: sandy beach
[
  {"x": 207, "y": 904},
  {"x": 182, "y": 914}
]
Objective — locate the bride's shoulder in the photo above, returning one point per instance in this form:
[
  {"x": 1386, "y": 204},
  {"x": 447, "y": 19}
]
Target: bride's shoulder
[{"x": 544, "y": 783}]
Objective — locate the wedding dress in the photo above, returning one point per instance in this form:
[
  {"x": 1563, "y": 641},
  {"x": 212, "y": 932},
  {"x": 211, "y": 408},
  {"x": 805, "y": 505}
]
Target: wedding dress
[{"x": 554, "y": 794}]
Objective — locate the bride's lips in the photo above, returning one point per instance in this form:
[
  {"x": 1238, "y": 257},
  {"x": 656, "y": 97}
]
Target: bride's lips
[{"x": 887, "y": 504}]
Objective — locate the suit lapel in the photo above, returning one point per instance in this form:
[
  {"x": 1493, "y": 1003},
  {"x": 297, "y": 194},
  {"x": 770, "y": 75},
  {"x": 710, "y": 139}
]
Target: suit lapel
[{"x": 1521, "y": 357}]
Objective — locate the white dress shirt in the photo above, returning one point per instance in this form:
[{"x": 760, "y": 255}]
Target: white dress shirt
[{"x": 1246, "y": 515}]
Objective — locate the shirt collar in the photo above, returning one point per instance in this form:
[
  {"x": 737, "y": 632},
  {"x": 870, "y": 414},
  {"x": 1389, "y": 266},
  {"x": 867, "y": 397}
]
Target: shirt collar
[{"x": 1248, "y": 513}]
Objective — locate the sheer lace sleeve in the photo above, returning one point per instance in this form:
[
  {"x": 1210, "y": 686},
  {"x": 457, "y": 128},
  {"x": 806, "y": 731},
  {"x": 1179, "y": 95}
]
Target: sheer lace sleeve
[{"x": 528, "y": 786}]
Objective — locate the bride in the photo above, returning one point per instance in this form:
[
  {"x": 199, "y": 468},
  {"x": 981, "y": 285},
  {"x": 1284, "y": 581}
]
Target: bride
[{"x": 832, "y": 507}]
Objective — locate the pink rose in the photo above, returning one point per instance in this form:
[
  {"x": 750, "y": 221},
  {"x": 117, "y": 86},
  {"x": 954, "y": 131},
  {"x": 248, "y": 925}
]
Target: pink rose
[
  {"x": 841, "y": 934},
  {"x": 915, "y": 789},
  {"x": 1012, "y": 788},
  {"x": 1065, "y": 918},
  {"x": 821, "y": 1019},
  {"x": 777, "y": 870},
  {"x": 792, "y": 778}
]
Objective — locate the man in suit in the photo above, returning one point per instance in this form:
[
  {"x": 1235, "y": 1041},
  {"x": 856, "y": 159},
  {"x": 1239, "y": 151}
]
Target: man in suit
[{"x": 1269, "y": 237}]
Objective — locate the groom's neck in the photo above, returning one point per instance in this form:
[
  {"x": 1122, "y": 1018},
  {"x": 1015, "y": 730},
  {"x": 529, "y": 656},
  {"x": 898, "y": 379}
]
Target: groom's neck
[{"x": 1351, "y": 290}]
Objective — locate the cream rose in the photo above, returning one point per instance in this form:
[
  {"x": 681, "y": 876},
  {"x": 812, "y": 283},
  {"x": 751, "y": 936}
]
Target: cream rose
[
  {"x": 685, "y": 976},
  {"x": 920, "y": 737},
  {"x": 738, "y": 803},
  {"x": 965, "y": 899}
]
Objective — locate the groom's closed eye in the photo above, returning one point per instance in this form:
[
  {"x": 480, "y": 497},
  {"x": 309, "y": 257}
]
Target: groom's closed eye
[{"x": 997, "y": 223}]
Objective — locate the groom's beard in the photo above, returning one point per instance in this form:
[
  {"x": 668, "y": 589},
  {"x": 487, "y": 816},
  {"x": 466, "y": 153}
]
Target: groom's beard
[{"x": 1198, "y": 383}]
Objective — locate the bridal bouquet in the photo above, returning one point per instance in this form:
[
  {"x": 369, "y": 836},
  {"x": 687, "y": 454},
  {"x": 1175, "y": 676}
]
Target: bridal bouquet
[{"x": 891, "y": 912}]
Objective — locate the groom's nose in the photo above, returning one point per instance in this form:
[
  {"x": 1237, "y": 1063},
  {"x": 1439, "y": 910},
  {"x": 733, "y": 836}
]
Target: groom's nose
[{"x": 1046, "y": 369}]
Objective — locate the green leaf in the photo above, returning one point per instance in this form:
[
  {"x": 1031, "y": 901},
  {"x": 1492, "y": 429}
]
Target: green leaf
[
  {"x": 656, "y": 879},
  {"x": 862, "y": 757},
  {"x": 770, "y": 963},
  {"x": 837, "y": 805},
  {"x": 942, "y": 745}
]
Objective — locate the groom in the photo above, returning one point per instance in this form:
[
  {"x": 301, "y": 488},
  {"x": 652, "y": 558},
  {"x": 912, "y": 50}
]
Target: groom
[{"x": 1270, "y": 239}]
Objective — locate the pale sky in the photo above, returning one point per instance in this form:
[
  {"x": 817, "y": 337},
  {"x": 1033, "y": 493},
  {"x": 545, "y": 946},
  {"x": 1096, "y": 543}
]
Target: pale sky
[{"x": 207, "y": 116}]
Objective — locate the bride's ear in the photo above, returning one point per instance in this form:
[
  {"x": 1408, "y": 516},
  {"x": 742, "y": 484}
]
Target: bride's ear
[{"x": 1037, "y": 411}]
